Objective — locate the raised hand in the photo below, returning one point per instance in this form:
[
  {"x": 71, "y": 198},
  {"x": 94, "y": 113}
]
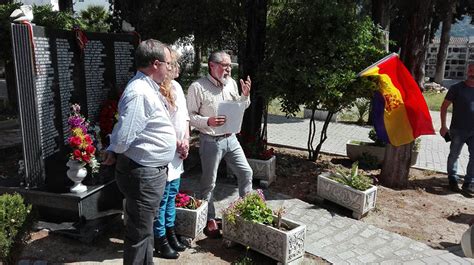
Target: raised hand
[{"x": 245, "y": 85}]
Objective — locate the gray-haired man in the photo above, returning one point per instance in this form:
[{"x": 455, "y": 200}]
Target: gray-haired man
[
  {"x": 204, "y": 96},
  {"x": 145, "y": 142}
]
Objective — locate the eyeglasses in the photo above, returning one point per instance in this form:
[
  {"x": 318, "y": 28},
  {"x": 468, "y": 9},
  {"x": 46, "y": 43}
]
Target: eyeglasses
[
  {"x": 169, "y": 65},
  {"x": 225, "y": 65}
]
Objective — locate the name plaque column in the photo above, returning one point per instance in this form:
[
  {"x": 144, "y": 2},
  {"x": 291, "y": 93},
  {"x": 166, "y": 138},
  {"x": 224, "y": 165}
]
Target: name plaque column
[
  {"x": 124, "y": 70},
  {"x": 94, "y": 74},
  {"x": 45, "y": 96},
  {"x": 66, "y": 83}
]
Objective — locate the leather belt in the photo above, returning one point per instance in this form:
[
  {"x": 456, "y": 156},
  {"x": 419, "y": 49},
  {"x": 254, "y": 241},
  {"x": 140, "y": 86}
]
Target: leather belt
[
  {"x": 222, "y": 135},
  {"x": 135, "y": 165}
]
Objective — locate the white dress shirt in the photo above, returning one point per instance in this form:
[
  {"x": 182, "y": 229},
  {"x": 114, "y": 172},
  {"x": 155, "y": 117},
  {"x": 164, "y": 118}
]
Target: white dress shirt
[{"x": 144, "y": 131}]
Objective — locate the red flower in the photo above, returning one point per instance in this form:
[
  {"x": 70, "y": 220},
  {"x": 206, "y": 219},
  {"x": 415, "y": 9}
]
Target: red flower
[
  {"x": 75, "y": 141},
  {"x": 77, "y": 154},
  {"x": 90, "y": 149},
  {"x": 86, "y": 158},
  {"x": 88, "y": 139}
]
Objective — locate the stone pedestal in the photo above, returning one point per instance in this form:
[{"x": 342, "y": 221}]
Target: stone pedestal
[
  {"x": 190, "y": 223},
  {"x": 360, "y": 202},
  {"x": 283, "y": 246},
  {"x": 264, "y": 170}
]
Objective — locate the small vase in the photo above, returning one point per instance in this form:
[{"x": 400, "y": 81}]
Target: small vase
[{"x": 76, "y": 172}]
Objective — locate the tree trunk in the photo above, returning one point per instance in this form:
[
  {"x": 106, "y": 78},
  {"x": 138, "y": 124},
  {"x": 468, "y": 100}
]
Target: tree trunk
[
  {"x": 396, "y": 166},
  {"x": 444, "y": 42},
  {"x": 197, "y": 59},
  {"x": 323, "y": 136},
  {"x": 66, "y": 5},
  {"x": 256, "y": 11},
  {"x": 415, "y": 40},
  {"x": 381, "y": 17}
]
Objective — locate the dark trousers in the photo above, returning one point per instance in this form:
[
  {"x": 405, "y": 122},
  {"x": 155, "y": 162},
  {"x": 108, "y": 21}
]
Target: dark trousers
[{"x": 143, "y": 189}]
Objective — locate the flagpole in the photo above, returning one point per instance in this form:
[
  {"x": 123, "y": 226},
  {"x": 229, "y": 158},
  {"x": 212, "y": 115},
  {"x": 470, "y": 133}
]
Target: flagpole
[{"x": 378, "y": 62}]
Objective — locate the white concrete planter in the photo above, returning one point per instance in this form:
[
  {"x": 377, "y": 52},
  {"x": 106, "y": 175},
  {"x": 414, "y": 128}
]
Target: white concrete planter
[
  {"x": 283, "y": 246},
  {"x": 190, "y": 223},
  {"x": 320, "y": 115},
  {"x": 264, "y": 170},
  {"x": 360, "y": 202},
  {"x": 355, "y": 150}
]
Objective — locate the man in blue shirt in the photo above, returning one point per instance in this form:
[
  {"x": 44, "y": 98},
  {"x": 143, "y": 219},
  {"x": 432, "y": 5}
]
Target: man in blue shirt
[
  {"x": 142, "y": 144},
  {"x": 461, "y": 131}
]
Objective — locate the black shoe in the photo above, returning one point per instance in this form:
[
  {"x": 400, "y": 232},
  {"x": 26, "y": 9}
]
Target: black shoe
[
  {"x": 454, "y": 187},
  {"x": 468, "y": 188},
  {"x": 164, "y": 249},
  {"x": 173, "y": 240}
]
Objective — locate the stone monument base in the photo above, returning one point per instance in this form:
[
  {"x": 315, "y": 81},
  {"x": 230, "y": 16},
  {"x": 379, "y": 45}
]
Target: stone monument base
[{"x": 98, "y": 201}]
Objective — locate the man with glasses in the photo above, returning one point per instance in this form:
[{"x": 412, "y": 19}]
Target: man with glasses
[
  {"x": 204, "y": 96},
  {"x": 142, "y": 143}
]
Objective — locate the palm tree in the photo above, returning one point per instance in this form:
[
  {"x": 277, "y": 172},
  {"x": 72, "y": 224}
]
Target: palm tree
[{"x": 95, "y": 18}]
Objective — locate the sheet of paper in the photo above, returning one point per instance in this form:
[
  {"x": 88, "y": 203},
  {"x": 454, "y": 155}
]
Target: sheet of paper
[{"x": 234, "y": 112}]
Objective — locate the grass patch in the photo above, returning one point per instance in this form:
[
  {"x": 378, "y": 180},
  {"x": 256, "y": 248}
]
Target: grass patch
[
  {"x": 434, "y": 99},
  {"x": 274, "y": 107}
]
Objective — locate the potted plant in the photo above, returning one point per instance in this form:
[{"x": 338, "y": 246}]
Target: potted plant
[
  {"x": 349, "y": 189},
  {"x": 261, "y": 158},
  {"x": 357, "y": 149},
  {"x": 250, "y": 222},
  {"x": 191, "y": 215}
]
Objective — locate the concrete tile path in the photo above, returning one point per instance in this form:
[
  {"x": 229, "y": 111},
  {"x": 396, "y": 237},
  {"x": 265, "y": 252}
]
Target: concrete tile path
[
  {"x": 342, "y": 240},
  {"x": 293, "y": 132}
]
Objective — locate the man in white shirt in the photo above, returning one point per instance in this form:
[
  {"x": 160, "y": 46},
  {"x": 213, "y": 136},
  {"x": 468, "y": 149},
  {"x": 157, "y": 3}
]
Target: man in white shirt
[
  {"x": 204, "y": 96},
  {"x": 143, "y": 142}
]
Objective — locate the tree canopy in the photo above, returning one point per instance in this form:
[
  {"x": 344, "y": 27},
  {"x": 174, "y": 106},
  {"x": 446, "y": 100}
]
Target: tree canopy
[{"x": 314, "y": 51}]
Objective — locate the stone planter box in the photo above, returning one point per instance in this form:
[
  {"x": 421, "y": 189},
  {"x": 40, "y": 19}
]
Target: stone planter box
[
  {"x": 355, "y": 150},
  {"x": 360, "y": 202},
  {"x": 320, "y": 115},
  {"x": 190, "y": 223},
  {"x": 264, "y": 170},
  {"x": 283, "y": 246}
]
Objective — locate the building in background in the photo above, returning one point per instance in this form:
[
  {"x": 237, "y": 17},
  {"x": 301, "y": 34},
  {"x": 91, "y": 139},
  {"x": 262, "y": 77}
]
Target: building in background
[
  {"x": 460, "y": 53},
  {"x": 79, "y": 5},
  {"x": 54, "y": 3}
]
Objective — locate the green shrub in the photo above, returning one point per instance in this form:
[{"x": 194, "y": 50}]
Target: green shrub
[
  {"x": 13, "y": 222},
  {"x": 352, "y": 178},
  {"x": 363, "y": 107},
  {"x": 373, "y": 137},
  {"x": 252, "y": 208},
  {"x": 368, "y": 161}
]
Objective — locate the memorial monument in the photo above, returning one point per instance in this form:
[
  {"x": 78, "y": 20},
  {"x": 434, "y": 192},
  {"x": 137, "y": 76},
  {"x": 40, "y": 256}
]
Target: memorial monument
[{"x": 53, "y": 70}]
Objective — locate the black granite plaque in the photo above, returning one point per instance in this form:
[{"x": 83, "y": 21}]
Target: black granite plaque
[{"x": 52, "y": 73}]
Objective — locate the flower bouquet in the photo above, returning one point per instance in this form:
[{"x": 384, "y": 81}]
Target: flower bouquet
[
  {"x": 80, "y": 141},
  {"x": 191, "y": 215}
]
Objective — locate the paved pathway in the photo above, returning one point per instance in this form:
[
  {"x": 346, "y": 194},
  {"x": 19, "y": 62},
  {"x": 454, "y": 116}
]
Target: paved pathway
[
  {"x": 293, "y": 132},
  {"x": 342, "y": 240}
]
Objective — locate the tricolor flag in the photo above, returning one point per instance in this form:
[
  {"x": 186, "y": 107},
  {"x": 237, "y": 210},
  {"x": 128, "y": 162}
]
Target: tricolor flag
[{"x": 399, "y": 109}]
